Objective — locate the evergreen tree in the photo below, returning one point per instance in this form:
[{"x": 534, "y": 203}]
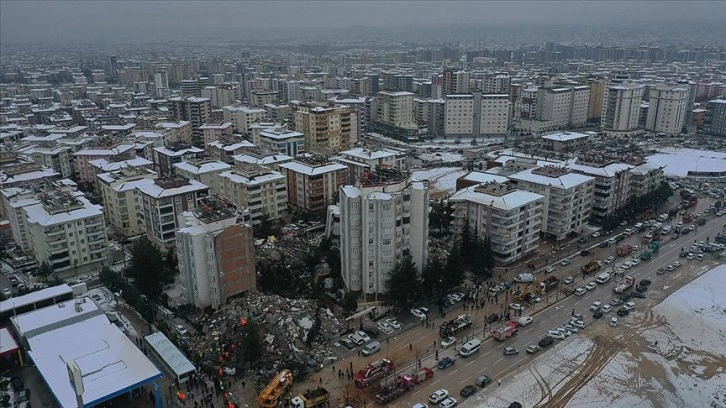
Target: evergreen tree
[
  {"x": 454, "y": 271},
  {"x": 403, "y": 284},
  {"x": 432, "y": 276},
  {"x": 147, "y": 267}
]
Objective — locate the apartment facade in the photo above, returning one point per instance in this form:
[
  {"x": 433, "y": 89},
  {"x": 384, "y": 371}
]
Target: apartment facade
[
  {"x": 644, "y": 179},
  {"x": 166, "y": 157},
  {"x": 621, "y": 109},
  {"x": 243, "y": 117},
  {"x": 204, "y": 170},
  {"x": 54, "y": 156},
  {"x": 113, "y": 152},
  {"x": 567, "y": 196},
  {"x": 194, "y": 109},
  {"x": 714, "y": 122},
  {"x": 68, "y": 232},
  {"x": 667, "y": 105},
  {"x": 216, "y": 254},
  {"x": 477, "y": 115},
  {"x": 163, "y": 202},
  {"x": 215, "y": 131},
  {"x": 381, "y": 217},
  {"x": 287, "y": 142},
  {"x": 612, "y": 185},
  {"x": 565, "y": 141},
  {"x": 121, "y": 201},
  {"x": 563, "y": 107},
  {"x": 324, "y": 128},
  {"x": 510, "y": 218},
  {"x": 313, "y": 182},
  {"x": 394, "y": 114},
  {"x": 256, "y": 189}
]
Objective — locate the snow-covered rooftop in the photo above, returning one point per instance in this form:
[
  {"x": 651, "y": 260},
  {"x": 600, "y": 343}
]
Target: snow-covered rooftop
[
  {"x": 565, "y": 181},
  {"x": 306, "y": 169},
  {"x": 206, "y": 166},
  {"x": 565, "y": 136},
  {"x": 510, "y": 200}
]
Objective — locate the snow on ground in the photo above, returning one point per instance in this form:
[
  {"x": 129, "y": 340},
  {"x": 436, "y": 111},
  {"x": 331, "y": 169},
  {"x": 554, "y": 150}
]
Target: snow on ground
[
  {"x": 678, "y": 162},
  {"x": 526, "y": 385},
  {"x": 441, "y": 179},
  {"x": 443, "y": 157},
  {"x": 464, "y": 143},
  {"x": 623, "y": 366}
]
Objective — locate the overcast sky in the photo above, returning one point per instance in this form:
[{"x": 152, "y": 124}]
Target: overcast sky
[{"x": 22, "y": 21}]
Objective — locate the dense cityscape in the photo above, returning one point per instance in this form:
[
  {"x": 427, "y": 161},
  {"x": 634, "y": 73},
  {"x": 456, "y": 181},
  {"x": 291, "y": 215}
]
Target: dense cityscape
[{"x": 524, "y": 212}]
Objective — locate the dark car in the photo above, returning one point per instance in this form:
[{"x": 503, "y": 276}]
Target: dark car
[
  {"x": 492, "y": 318},
  {"x": 445, "y": 363},
  {"x": 482, "y": 380},
  {"x": 597, "y": 315},
  {"x": 584, "y": 252},
  {"x": 645, "y": 282},
  {"x": 546, "y": 342},
  {"x": 347, "y": 344},
  {"x": 604, "y": 244},
  {"x": 17, "y": 383},
  {"x": 373, "y": 332},
  {"x": 623, "y": 312},
  {"x": 639, "y": 289},
  {"x": 468, "y": 391},
  {"x": 637, "y": 295},
  {"x": 683, "y": 254},
  {"x": 625, "y": 297},
  {"x": 582, "y": 240},
  {"x": 661, "y": 271}
]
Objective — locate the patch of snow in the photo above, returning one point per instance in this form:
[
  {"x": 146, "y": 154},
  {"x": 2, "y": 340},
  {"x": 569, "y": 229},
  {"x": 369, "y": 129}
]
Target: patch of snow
[
  {"x": 440, "y": 178},
  {"x": 678, "y": 162}
]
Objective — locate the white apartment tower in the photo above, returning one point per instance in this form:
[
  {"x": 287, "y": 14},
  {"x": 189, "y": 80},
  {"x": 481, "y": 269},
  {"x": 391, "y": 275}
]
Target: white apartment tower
[
  {"x": 564, "y": 107},
  {"x": 621, "y": 109},
  {"x": 567, "y": 198},
  {"x": 476, "y": 114},
  {"x": 667, "y": 107},
  {"x": 385, "y": 214},
  {"x": 510, "y": 218},
  {"x": 395, "y": 108}
]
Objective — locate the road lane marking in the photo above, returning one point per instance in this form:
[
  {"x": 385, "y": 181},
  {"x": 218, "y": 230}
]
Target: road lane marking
[
  {"x": 471, "y": 362},
  {"x": 540, "y": 323},
  {"x": 464, "y": 381},
  {"x": 435, "y": 381},
  {"x": 497, "y": 362},
  {"x": 486, "y": 353},
  {"x": 453, "y": 372}
]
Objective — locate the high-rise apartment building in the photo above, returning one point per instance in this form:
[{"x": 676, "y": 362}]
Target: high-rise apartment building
[
  {"x": 563, "y": 107},
  {"x": 194, "y": 109},
  {"x": 121, "y": 203},
  {"x": 161, "y": 83},
  {"x": 313, "y": 182},
  {"x": 216, "y": 254},
  {"x": 68, "y": 232},
  {"x": 383, "y": 215},
  {"x": 511, "y": 219},
  {"x": 255, "y": 189},
  {"x": 163, "y": 202},
  {"x": 325, "y": 129},
  {"x": 667, "y": 106},
  {"x": 612, "y": 185},
  {"x": 243, "y": 117},
  {"x": 203, "y": 170},
  {"x": 714, "y": 122},
  {"x": 621, "y": 109},
  {"x": 567, "y": 201},
  {"x": 394, "y": 115},
  {"x": 476, "y": 115}
]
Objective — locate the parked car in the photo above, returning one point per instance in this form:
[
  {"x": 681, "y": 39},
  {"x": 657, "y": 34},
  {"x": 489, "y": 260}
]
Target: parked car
[
  {"x": 555, "y": 334},
  {"x": 606, "y": 308},
  {"x": 448, "y": 403},
  {"x": 448, "y": 342},
  {"x": 565, "y": 262},
  {"x": 579, "y": 324},
  {"x": 569, "y": 280},
  {"x": 418, "y": 314},
  {"x": 509, "y": 351},
  {"x": 638, "y": 294},
  {"x": 468, "y": 391},
  {"x": 662, "y": 270},
  {"x": 613, "y": 321},
  {"x": 515, "y": 306},
  {"x": 438, "y": 396},
  {"x": 347, "y": 344},
  {"x": 533, "y": 349},
  {"x": 445, "y": 363},
  {"x": 597, "y": 315},
  {"x": 394, "y": 323},
  {"x": 482, "y": 380},
  {"x": 596, "y": 305},
  {"x": 492, "y": 318},
  {"x": 616, "y": 301},
  {"x": 623, "y": 312},
  {"x": 629, "y": 306},
  {"x": 545, "y": 342},
  {"x": 590, "y": 286},
  {"x": 580, "y": 291},
  {"x": 363, "y": 335},
  {"x": 385, "y": 326}
]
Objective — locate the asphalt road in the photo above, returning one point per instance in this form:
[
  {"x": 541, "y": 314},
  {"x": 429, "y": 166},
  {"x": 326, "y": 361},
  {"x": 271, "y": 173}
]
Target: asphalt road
[{"x": 491, "y": 361}]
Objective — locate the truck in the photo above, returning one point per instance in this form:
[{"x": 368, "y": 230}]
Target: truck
[
  {"x": 271, "y": 394},
  {"x": 421, "y": 376},
  {"x": 548, "y": 284},
  {"x": 624, "y": 250},
  {"x": 626, "y": 284},
  {"x": 591, "y": 267},
  {"x": 505, "y": 330},
  {"x": 372, "y": 372},
  {"x": 454, "y": 326},
  {"x": 318, "y": 397},
  {"x": 655, "y": 246},
  {"x": 389, "y": 393},
  {"x": 524, "y": 277},
  {"x": 646, "y": 255}
]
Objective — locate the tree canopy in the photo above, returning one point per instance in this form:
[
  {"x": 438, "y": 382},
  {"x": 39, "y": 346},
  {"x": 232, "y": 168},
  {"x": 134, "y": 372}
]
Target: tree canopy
[{"x": 403, "y": 284}]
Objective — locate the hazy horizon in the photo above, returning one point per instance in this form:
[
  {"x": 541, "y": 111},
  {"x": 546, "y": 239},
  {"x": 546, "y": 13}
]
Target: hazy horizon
[{"x": 68, "y": 21}]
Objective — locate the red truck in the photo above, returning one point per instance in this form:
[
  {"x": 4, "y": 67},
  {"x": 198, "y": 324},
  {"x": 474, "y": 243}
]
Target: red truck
[
  {"x": 624, "y": 250},
  {"x": 505, "y": 330},
  {"x": 549, "y": 284},
  {"x": 390, "y": 392},
  {"x": 372, "y": 372}
]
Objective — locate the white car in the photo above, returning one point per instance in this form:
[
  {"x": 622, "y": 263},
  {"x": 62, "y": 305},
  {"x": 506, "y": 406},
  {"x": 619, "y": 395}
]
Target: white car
[
  {"x": 355, "y": 339},
  {"x": 564, "y": 331},
  {"x": 606, "y": 308},
  {"x": 596, "y": 234},
  {"x": 418, "y": 314},
  {"x": 555, "y": 334},
  {"x": 565, "y": 262},
  {"x": 568, "y": 280},
  {"x": 580, "y": 291},
  {"x": 670, "y": 267},
  {"x": 635, "y": 261},
  {"x": 525, "y": 320},
  {"x": 676, "y": 264},
  {"x": 438, "y": 396},
  {"x": 579, "y": 324},
  {"x": 570, "y": 327},
  {"x": 385, "y": 327},
  {"x": 393, "y": 323},
  {"x": 448, "y": 403},
  {"x": 690, "y": 256},
  {"x": 614, "y": 321},
  {"x": 591, "y": 286},
  {"x": 626, "y": 265},
  {"x": 181, "y": 329},
  {"x": 448, "y": 341},
  {"x": 609, "y": 260},
  {"x": 616, "y": 301},
  {"x": 363, "y": 335},
  {"x": 515, "y": 306},
  {"x": 629, "y": 306},
  {"x": 596, "y": 305}
]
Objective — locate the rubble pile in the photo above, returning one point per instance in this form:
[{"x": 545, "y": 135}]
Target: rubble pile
[{"x": 284, "y": 326}]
